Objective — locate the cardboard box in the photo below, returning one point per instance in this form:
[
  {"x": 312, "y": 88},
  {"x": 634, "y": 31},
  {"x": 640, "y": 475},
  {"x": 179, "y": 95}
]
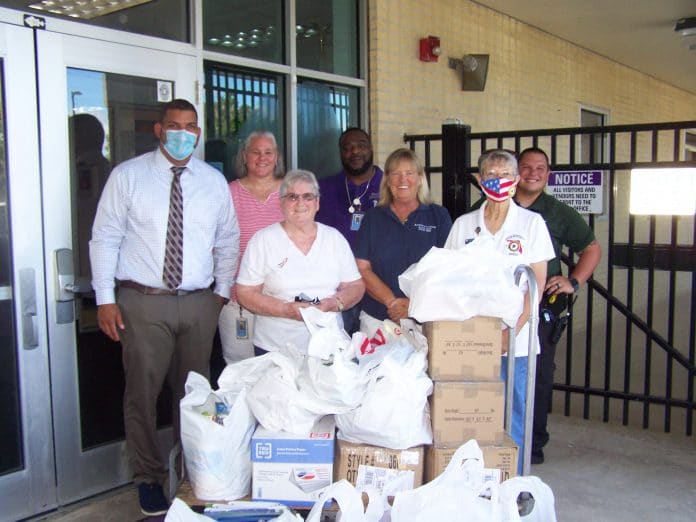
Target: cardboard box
[
  {"x": 467, "y": 410},
  {"x": 292, "y": 468},
  {"x": 501, "y": 456},
  {"x": 464, "y": 350},
  {"x": 370, "y": 462}
]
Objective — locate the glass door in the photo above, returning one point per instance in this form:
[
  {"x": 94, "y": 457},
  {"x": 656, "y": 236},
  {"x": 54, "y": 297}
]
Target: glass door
[
  {"x": 27, "y": 475},
  {"x": 98, "y": 104}
]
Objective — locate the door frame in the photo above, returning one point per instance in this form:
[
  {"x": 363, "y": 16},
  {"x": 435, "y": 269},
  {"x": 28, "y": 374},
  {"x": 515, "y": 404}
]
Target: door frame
[
  {"x": 31, "y": 489},
  {"x": 80, "y": 474},
  {"x": 56, "y": 471}
]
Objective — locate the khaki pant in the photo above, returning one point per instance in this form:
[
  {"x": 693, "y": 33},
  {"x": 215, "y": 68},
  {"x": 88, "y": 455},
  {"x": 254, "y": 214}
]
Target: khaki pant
[{"x": 164, "y": 337}]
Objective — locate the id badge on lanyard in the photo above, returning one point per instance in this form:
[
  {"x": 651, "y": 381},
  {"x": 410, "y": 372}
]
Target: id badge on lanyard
[
  {"x": 242, "y": 326},
  {"x": 356, "y": 220}
]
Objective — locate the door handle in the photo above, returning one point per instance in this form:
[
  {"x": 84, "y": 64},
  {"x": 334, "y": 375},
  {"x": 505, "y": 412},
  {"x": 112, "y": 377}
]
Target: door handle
[
  {"x": 65, "y": 275},
  {"x": 80, "y": 285},
  {"x": 27, "y": 296},
  {"x": 65, "y": 286}
]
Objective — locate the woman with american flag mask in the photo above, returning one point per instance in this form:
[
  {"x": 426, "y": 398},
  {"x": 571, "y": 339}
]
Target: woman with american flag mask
[{"x": 522, "y": 236}]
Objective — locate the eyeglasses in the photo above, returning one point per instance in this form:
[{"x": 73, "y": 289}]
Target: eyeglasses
[
  {"x": 306, "y": 197},
  {"x": 491, "y": 174}
]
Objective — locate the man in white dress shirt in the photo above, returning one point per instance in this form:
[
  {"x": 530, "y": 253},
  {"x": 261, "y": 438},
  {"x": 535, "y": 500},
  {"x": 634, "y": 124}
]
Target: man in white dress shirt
[{"x": 166, "y": 230}]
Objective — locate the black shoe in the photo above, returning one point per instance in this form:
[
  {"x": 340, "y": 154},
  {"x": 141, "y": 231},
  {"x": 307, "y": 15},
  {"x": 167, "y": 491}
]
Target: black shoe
[
  {"x": 152, "y": 499},
  {"x": 537, "y": 456}
]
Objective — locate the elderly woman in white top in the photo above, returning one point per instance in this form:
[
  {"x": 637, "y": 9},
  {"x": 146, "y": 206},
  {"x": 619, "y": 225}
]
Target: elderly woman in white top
[
  {"x": 524, "y": 239},
  {"x": 295, "y": 264}
]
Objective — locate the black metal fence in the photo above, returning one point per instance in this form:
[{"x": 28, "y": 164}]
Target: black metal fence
[{"x": 630, "y": 348}]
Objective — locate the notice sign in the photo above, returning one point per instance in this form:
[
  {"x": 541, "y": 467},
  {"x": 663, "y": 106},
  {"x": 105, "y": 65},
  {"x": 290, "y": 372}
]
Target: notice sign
[{"x": 579, "y": 189}]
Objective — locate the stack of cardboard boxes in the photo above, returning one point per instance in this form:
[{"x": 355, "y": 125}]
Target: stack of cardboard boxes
[
  {"x": 468, "y": 400},
  {"x": 467, "y": 403}
]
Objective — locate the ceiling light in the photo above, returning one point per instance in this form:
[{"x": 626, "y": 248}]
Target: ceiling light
[{"x": 83, "y": 9}]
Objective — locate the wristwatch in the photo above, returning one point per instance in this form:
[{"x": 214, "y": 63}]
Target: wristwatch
[
  {"x": 339, "y": 303},
  {"x": 575, "y": 284}
]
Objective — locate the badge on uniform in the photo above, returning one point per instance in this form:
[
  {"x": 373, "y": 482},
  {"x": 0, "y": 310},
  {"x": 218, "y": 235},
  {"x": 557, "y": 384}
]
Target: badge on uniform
[
  {"x": 242, "y": 328},
  {"x": 356, "y": 221}
]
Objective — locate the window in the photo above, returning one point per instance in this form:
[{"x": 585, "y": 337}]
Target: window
[
  {"x": 592, "y": 145},
  {"x": 247, "y": 28},
  {"x": 653, "y": 192},
  {"x": 164, "y": 18},
  {"x": 690, "y": 145},
  {"x": 326, "y": 36},
  {"x": 238, "y": 102},
  {"x": 254, "y": 82},
  {"x": 323, "y": 112}
]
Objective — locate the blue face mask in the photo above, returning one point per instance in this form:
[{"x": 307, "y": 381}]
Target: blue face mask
[{"x": 180, "y": 144}]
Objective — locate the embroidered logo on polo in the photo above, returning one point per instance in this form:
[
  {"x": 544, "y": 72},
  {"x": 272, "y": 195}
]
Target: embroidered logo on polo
[
  {"x": 514, "y": 245},
  {"x": 282, "y": 263},
  {"x": 425, "y": 228}
]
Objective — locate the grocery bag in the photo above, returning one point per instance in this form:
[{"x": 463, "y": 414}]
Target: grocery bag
[
  {"x": 273, "y": 392},
  {"x": 329, "y": 372},
  {"x": 350, "y": 504},
  {"x": 216, "y": 429},
  {"x": 180, "y": 512},
  {"x": 540, "y": 509},
  {"x": 454, "y": 285},
  {"x": 394, "y": 412},
  {"x": 460, "y": 492}
]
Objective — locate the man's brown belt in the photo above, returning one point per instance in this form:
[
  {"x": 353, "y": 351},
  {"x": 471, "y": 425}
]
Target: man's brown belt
[{"x": 148, "y": 290}]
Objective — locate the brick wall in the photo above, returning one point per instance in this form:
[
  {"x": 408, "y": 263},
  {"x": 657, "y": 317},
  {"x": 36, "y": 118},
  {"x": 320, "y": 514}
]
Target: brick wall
[{"x": 535, "y": 80}]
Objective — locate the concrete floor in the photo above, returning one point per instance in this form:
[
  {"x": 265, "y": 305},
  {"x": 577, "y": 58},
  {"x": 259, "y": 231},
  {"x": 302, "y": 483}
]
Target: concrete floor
[{"x": 597, "y": 472}]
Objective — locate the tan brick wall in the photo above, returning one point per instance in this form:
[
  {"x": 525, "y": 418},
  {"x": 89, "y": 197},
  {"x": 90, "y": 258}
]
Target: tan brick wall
[{"x": 535, "y": 80}]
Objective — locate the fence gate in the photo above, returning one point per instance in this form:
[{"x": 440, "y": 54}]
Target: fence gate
[{"x": 630, "y": 346}]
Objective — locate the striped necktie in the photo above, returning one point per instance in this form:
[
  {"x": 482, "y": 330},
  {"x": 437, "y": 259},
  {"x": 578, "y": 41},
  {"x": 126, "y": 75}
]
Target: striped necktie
[{"x": 174, "y": 250}]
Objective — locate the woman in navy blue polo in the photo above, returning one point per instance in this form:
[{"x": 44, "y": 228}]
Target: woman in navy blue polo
[{"x": 398, "y": 232}]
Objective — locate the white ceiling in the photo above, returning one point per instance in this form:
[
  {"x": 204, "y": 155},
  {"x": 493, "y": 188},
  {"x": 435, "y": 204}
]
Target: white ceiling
[{"x": 636, "y": 33}]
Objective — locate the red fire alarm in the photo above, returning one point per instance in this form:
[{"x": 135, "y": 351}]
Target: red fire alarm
[{"x": 430, "y": 49}]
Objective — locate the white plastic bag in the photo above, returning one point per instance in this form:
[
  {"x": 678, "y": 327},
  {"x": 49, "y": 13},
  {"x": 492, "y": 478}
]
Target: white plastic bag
[
  {"x": 217, "y": 455},
  {"x": 394, "y": 412},
  {"x": 453, "y": 495},
  {"x": 458, "y": 284},
  {"x": 542, "y": 508},
  {"x": 278, "y": 404},
  {"x": 399, "y": 341},
  {"x": 327, "y": 335},
  {"x": 456, "y": 494},
  {"x": 180, "y": 512},
  {"x": 274, "y": 393},
  {"x": 341, "y": 383},
  {"x": 329, "y": 372},
  {"x": 350, "y": 504},
  {"x": 246, "y": 373},
  {"x": 230, "y": 509}
]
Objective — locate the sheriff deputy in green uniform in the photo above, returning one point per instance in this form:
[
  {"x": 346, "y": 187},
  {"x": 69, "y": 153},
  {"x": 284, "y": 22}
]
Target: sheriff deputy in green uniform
[{"x": 567, "y": 227}]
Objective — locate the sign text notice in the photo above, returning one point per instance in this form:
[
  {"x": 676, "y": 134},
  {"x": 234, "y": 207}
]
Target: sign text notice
[{"x": 581, "y": 189}]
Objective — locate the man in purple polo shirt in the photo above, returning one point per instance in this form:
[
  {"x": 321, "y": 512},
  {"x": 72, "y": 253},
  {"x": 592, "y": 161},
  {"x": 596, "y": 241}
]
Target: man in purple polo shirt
[{"x": 346, "y": 196}]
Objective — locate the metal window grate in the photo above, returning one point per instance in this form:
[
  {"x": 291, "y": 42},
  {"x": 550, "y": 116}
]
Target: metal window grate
[{"x": 233, "y": 96}]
